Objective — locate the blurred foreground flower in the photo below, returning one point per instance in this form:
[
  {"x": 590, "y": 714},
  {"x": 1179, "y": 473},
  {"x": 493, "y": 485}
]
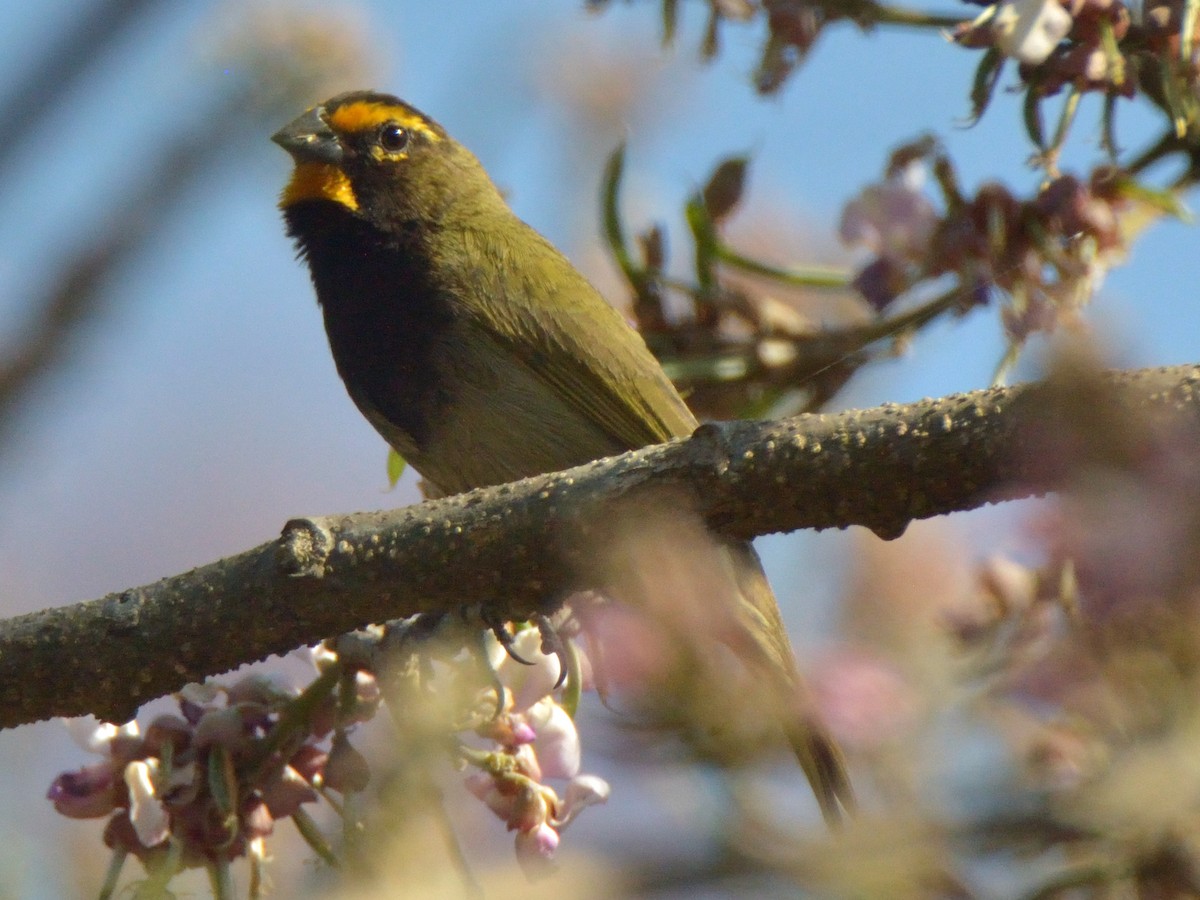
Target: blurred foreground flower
[
  {"x": 203, "y": 787},
  {"x": 533, "y": 739},
  {"x": 206, "y": 786},
  {"x": 864, "y": 701},
  {"x": 1090, "y": 663}
]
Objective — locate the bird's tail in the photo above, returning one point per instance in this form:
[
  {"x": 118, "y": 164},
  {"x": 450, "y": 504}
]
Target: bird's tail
[
  {"x": 824, "y": 767},
  {"x": 816, "y": 751},
  {"x": 700, "y": 596}
]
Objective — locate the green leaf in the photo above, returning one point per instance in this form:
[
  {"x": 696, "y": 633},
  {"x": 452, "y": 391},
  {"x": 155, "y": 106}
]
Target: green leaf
[
  {"x": 160, "y": 869},
  {"x": 987, "y": 75},
  {"x": 1173, "y": 101},
  {"x": 1012, "y": 353},
  {"x": 614, "y": 232},
  {"x": 574, "y": 680},
  {"x": 312, "y": 836},
  {"x": 1108, "y": 139},
  {"x": 711, "y": 45},
  {"x": 1066, "y": 117},
  {"x": 113, "y": 875},
  {"x": 670, "y": 21},
  {"x": 1112, "y": 53},
  {"x": 705, "y": 235},
  {"x": 717, "y": 368},
  {"x": 946, "y": 177},
  {"x": 395, "y": 467},
  {"x": 1187, "y": 30},
  {"x": 1164, "y": 201},
  {"x": 1033, "y": 118},
  {"x": 223, "y": 786},
  {"x": 796, "y": 276}
]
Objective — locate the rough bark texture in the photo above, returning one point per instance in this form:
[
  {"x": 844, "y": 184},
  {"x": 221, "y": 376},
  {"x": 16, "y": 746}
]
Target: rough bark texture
[{"x": 518, "y": 547}]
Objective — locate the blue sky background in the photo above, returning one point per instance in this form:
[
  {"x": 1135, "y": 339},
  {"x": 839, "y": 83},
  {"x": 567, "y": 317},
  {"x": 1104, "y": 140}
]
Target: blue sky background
[{"x": 201, "y": 410}]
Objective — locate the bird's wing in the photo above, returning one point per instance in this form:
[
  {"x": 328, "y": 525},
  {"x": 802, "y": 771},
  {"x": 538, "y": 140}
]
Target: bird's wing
[{"x": 554, "y": 322}]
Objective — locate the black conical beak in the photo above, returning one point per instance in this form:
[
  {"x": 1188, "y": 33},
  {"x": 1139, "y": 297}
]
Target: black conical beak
[{"x": 310, "y": 139}]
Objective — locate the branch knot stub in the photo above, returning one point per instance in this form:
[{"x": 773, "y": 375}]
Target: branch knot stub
[
  {"x": 710, "y": 447},
  {"x": 123, "y": 611},
  {"x": 303, "y": 548}
]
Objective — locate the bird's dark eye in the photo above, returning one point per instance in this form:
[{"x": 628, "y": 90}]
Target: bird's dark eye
[{"x": 393, "y": 137}]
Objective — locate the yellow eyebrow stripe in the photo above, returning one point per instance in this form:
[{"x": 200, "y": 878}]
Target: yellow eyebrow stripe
[
  {"x": 319, "y": 181},
  {"x": 364, "y": 114}
]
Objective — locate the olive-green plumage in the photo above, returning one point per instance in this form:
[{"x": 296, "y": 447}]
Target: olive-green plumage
[{"x": 474, "y": 347}]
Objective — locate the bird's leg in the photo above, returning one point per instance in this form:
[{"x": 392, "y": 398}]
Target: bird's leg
[
  {"x": 553, "y": 643},
  {"x": 500, "y": 629}
]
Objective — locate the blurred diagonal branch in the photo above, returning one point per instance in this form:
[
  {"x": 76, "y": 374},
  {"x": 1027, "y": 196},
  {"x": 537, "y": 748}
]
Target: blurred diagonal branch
[
  {"x": 76, "y": 292},
  {"x": 89, "y": 36},
  {"x": 79, "y": 290},
  {"x": 520, "y": 547},
  {"x": 282, "y": 59}
]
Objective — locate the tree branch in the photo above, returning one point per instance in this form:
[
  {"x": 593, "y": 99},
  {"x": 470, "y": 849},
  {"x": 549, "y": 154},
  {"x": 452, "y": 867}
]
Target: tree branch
[{"x": 520, "y": 547}]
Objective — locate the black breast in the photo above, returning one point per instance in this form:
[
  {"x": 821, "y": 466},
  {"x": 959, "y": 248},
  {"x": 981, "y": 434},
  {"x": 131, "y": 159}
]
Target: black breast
[{"x": 384, "y": 313}]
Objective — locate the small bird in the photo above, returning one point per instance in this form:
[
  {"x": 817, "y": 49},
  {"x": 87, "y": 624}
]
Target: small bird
[{"x": 476, "y": 349}]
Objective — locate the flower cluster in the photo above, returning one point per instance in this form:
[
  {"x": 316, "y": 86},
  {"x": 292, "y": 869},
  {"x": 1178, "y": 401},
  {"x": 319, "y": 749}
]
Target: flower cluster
[
  {"x": 1029, "y": 30},
  {"x": 1087, "y": 662},
  {"x": 211, "y": 782},
  {"x": 532, "y": 739},
  {"x": 206, "y": 786},
  {"x": 1090, "y": 59},
  {"x": 1092, "y": 45},
  {"x": 1048, "y": 254},
  {"x": 1071, "y": 42}
]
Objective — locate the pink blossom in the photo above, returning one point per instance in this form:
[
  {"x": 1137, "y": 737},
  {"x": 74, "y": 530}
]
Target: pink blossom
[
  {"x": 557, "y": 742},
  {"x": 893, "y": 219},
  {"x": 582, "y": 792},
  {"x": 90, "y": 793},
  {"x": 863, "y": 701},
  {"x": 535, "y": 850},
  {"x": 522, "y": 732}
]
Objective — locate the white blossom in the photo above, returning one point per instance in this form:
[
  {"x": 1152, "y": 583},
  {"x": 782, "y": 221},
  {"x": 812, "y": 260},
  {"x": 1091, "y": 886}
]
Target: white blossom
[{"x": 1029, "y": 30}]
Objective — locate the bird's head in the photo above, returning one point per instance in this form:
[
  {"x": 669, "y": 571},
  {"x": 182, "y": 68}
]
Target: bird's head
[{"x": 384, "y": 161}]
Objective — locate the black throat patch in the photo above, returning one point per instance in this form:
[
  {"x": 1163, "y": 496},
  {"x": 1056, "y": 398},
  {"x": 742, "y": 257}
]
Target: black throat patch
[{"x": 384, "y": 314}]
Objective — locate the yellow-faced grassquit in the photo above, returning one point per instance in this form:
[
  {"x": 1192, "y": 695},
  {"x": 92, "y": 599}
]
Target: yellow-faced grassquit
[{"x": 480, "y": 353}]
